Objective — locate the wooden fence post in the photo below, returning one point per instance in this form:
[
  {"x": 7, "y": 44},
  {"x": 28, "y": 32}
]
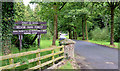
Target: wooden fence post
[
  {"x": 39, "y": 62},
  {"x": 53, "y": 57},
  {"x": 11, "y": 61},
  {"x": 63, "y": 50}
]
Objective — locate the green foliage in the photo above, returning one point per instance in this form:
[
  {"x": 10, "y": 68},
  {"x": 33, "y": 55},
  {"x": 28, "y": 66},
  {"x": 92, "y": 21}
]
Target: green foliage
[
  {"x": 66, "y": 66},
  {"x": 100, "y": 34},
  {"x": 47, "y": 36},
  {"x": 7, "y": 24},
  {"x": 19, "y": 8},
  {"x": 105, "y": 43},
  {"x": 26, "y": 40},
  {"x": 22, "y": 60},
  {"x": 117, "y": 28},
  {"x": 28, "y": 15}
]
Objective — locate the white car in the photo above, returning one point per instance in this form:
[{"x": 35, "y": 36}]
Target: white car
[{"x": 62, "y": 37}]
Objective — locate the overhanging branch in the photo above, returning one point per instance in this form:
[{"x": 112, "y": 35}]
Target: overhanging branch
[{"x": 62, "y": 5}]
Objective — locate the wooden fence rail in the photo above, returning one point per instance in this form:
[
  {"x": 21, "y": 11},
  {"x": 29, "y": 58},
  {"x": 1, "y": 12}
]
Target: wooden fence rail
[{"x": 37, "y": 59}]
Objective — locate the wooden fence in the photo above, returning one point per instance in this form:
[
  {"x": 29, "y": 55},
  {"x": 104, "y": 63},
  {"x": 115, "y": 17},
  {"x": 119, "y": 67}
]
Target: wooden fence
[{"x": 38, "y": 58}]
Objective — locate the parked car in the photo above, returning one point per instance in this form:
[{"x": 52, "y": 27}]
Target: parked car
[{"x": 62, "y": 37}]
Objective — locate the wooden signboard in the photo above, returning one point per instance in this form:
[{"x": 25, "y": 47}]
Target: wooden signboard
[
  {"x": 30, "y": 27},
  {"x": 38, "y": 29},
  {"x": 29, "y": 31},
  {"x": 25, "y": 22}
]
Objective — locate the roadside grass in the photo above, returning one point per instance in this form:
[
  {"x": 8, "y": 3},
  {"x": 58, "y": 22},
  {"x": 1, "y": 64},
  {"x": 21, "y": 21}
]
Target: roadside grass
[
  {"x": 66, "y": 66},
  {"x": 102, "y": 43},
  {"x": 67, "y": 36},
  {"x": 43, "y": 44},
  {"x": 105, "y": 43},
  {"x": 79, "y": 38}
]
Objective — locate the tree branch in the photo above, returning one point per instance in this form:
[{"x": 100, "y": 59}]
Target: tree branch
[
  {"x": 62, "y": 5},
  {"x": 33, "y": 39},
  {"x": 109, "y": 3},
  {"x": 117, "y": 4}
]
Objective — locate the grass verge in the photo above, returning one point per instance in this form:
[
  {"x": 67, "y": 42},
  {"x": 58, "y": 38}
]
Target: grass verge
[
  {"x": 66, "y": 66},
  {"x": 105, "y": 43}
]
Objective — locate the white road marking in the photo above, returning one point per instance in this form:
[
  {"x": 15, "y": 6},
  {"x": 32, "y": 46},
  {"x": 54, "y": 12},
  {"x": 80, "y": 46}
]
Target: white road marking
[{"x": 109, "y": 62}]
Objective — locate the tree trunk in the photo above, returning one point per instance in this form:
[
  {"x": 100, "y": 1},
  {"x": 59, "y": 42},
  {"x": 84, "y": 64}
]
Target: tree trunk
[
  {"x": 76, "y": 35},
  {"x": 56, "y": 33},
  {"x": 70, "y": 36},
  {"x": 83, "y": 30},
  {"x": 56, "y": 25},
  {"x": 112, "y": 27},
  {"x": 55, "y": 21},
  {"x": 86, "y": 28},
  {"x": 73, "y": 34}
]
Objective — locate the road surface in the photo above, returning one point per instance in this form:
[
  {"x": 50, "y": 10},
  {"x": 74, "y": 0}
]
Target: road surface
[{"x": 97, "y": 56}]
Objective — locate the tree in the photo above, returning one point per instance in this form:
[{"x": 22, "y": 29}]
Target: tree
[
  {"x": 36, "y": 13},
  {"x": 60, "y": 8},
  {"x": 19, "y": 11},
  {"x": 51, "y": 9},
  {"x": 55, "y": 24},
  {"x": 86, "y": 29},
  {"x": 7, "y": 24},
  {"x": 83, "y": 37},
  {"x": 29, "y": 14},
  {"x": 112, "y": 6}
]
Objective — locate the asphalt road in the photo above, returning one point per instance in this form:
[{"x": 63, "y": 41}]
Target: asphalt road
[{"x": 98, "y": 57}]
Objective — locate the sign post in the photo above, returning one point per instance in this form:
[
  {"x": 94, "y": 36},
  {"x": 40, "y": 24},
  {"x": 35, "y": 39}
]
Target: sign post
[
  {"x": 20, "y": 30},
  {"x": 20, "y": 39},
  {"x": 39, "y": 36}
]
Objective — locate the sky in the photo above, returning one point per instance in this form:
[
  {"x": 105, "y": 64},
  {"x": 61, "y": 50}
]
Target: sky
[{"x": 26, "y": 2}]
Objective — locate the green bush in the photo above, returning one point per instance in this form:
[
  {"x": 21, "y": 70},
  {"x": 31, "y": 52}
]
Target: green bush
[
  {"x": 100, "y": 34},
  {"x": 25, "y": 41},
  {"x": 47, "y": 36}
]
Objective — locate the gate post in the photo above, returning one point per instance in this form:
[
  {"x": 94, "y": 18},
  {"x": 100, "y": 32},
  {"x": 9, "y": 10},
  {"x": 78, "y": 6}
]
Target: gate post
[{"x": 68, "y": 48}]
